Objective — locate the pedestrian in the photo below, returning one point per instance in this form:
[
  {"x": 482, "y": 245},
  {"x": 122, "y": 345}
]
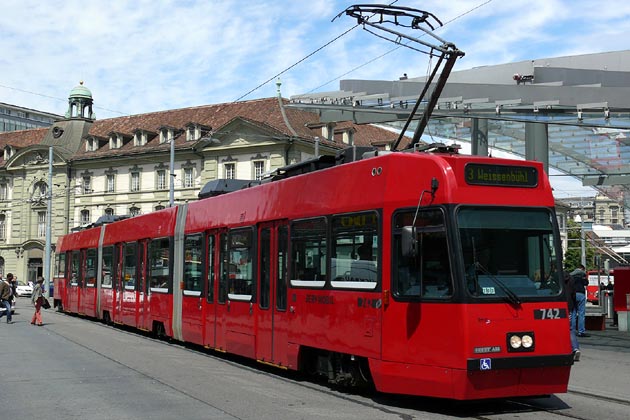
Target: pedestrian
[
  {"x": 37, "y": 298},
  {"x": 5, "y": 299},
  {"x": 579, "y": 284},
  {"x": 13, "y": 283},
  {"x": 571, "y": 301}
]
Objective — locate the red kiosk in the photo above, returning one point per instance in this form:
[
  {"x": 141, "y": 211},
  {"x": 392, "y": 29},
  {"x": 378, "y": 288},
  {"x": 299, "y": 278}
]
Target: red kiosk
[{"x": 621, "y": 296}]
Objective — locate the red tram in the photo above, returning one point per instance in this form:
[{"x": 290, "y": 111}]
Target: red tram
[{"x": 423, "y": 273}]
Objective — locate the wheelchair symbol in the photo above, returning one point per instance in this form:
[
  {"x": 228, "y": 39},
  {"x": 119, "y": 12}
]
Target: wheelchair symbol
[{"x": 485, "y": 364}]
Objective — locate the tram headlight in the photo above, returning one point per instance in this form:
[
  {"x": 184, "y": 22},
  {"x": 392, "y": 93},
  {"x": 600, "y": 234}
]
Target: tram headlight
[
  {"x": 515, "y": 341},
  {"x": 520, "y": 341}
]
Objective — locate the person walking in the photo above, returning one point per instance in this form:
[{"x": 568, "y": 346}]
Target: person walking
[
  {"x": 571, "y": 302},
  {"x": 37, "y": 298},
  {"x": 5, "y": 299},
  {"x": 579, "y": 284}
]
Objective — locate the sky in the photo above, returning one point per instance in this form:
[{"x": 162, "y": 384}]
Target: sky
[{"x": 139, "y": 56}]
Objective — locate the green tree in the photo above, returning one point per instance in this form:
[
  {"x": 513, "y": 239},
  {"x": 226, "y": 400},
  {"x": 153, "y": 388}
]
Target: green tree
[{"x": 573, "y": 256}]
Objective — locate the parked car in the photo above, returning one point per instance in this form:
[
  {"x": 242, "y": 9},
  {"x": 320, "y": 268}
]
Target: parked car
[
  {"x": 3, "y": 309},
  {"x": 24, "y": 290}
]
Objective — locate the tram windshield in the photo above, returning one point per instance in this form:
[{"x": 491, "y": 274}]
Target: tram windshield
[{"x": 508, "y": 253}]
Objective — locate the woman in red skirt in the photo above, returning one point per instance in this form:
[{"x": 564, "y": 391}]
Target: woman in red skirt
[{"x": 38, "y": 299}]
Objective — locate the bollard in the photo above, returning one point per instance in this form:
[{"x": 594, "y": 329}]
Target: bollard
[{"x": 608, "y": 305}]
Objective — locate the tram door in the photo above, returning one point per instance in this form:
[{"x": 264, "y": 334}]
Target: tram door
[
  {"x": 271, "y": 337},
  {"x": 220, "y": 313},
  {"x": 210, "y": 274},
  {"x": 118, "y": 284},
  {"x": 142, "y": 292},
  {"x": 193, "y": 289},
  {"x": 74, "y": 284},
  {"x": 240, "y": 333},
  {"x": 129, "y": 284}
]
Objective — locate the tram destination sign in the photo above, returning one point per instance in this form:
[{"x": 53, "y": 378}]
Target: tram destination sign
[{"x": 501, "y": 175}]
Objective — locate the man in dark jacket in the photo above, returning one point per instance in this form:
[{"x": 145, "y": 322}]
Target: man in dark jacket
[
  {"x": 579, "y": 284},
  {"x": 570, "y": 293},
  {"x": 5, "y": 299}
]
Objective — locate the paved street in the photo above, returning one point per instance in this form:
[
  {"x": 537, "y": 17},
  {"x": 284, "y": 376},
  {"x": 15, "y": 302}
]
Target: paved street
[{"x": 79, "y": 369}]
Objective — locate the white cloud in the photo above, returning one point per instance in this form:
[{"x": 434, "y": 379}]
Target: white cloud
[{"x": 142, "y": 56}]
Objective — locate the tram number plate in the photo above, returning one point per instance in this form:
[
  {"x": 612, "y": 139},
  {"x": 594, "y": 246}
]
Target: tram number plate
[{"x": 550, "y": 313}]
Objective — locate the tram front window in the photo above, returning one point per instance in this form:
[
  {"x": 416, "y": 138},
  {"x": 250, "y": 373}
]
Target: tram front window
[
  {"x": 509, "y": 253},
  {"x": 428, "y": 273}
]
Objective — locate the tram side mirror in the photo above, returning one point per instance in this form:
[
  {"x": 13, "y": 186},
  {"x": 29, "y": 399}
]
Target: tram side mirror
[{"x": 409, "y": 242}]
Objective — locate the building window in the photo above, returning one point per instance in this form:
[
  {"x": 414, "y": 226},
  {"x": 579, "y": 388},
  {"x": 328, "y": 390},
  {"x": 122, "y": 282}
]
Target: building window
[
  {"x": 259, "y": 169},
  {"x": 165, "y": 135},
  {"x": 115, "y": 141},
  {"x": 109, "y": 211},
  {"x": 192, "y": 133},
  {"x": 85, "y": 217},
  {"x": 188, "y": 178},
  {"x": 135, "y": 181},
  {"x": 111, "y": 183},
  {"x": 3, "y": 227},
  {"x": 230, "y": 170},
  {"x": 4, "y": 191},
  {"x": 159, "y": 207},
  {"x": 134, "y": 211},
  {"x": 139, "y": 138},
  {"x": 87, "y": 185},
  {"x": 41, "y": 224},
  {"x": 161, "y": 179}
]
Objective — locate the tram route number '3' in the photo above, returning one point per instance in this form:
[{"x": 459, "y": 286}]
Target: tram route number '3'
[{"x": 550, "y": 313}]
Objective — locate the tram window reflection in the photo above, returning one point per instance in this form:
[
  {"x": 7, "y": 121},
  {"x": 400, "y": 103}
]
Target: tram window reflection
[
  {"x": 108, "y": 266},
  {"x": 159, "y": 265},
  {"x": 192, "y": 264},
  {"x": 427, "y": 274},
  {"x": 355, "y": 250},
  {"x": 241, "y": 283},
  {"x": 308, "y": 251},
  {"x": 508, "y": 251}
]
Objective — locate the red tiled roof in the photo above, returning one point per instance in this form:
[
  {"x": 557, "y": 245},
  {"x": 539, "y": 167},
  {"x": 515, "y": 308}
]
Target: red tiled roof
[{"x": 264, "y": 113}]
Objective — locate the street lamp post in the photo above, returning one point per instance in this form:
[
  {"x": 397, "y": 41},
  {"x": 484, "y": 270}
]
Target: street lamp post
[
  {"x": 48, "y": 246},
  {"x": 171, "y": 192}
]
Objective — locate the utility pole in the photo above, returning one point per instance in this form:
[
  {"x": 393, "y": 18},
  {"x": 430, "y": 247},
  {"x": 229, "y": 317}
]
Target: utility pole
[{"x": 48, "y": 245}]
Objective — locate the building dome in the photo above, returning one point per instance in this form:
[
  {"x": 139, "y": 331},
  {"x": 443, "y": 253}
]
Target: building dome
[
  {"x": 80, "y": 92},
  {"x": 80, "y": 103}
]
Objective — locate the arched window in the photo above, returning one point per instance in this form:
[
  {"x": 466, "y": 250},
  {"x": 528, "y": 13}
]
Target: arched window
[
  {"x": 40, "y": 190},
  {"x": 85, "y": 217}
]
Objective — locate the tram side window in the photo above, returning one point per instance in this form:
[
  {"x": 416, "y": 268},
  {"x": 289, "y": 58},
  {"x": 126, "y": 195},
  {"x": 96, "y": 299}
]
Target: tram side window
[
  {"x": 90, "y": 267},
  {"x": 130, "y": 252},
  {"x": 355, "y": 250},
  {"x": 193, "y": 268},
  {"x": 159, "y": 265},
  {"x": 61, "y": 265},
  {"x": 108, "y": 266},
  {"x": 241, "y": 284},
  {"x": 74, "y": 268},
  {"x": 429, "y": 273},
  {"x": 308, "y": 252},
  {"x": 210, "y": 266}
]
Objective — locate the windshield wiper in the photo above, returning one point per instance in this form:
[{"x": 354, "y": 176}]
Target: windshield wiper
[{"x": 510, "y": 296}]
